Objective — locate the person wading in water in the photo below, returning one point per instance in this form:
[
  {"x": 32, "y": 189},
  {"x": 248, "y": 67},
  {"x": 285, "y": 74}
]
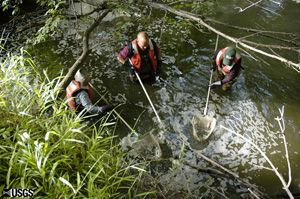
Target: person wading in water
[
  {"x": 145, "y": 57},
  {"x": 227, "y": 64},
  {"x": 79, "y": 95}
]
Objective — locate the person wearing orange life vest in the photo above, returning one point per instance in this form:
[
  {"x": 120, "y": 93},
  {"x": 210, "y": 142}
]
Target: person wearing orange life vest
[
  {"x": 79, "y": 94},
  {"x": 227, "y": 64},
  {"x": 145, "y": 57}
]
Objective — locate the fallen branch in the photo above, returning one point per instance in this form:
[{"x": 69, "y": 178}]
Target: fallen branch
[
  {"x": 236, "y": 176},
  {"x": 285, "y": 187},
  {"x": 255, "y": 57},
  {"x": 243, "y": 9},
  {"x": 295, "y": 66},
  {"x": 271, "y": 46},
  {"x": 261, "y": 32},
  {"x": 31, "y": 25},
  {"x": 253, "y": 193},
  {"x": 221, "y": 194},
  {"x": 265, "y": 9},
  {"x": 281, "y": 123},
  {"x": 86, "y": 50},
  {"x": 207, "y": 170}
]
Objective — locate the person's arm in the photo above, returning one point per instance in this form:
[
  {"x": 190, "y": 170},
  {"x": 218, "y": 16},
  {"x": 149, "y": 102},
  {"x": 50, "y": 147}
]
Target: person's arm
[
  {"x": 123, "y": 55},
  {"x": 158, "y": 53},
  {"x": 84, "y": 100},
  {"x": 233, "y": 73},
  {"x": 158, "y": 57},
  {"x": 157, "y": 50},
  {"x": 120, "y": 59},
  {"x": 159, "y": 62}
]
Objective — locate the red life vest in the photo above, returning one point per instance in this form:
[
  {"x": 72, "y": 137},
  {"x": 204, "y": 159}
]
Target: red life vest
[
  {"x": 226, "y": 69},
  {"x": 136, "y": 58},
  {"x": 72, "y": 88}
]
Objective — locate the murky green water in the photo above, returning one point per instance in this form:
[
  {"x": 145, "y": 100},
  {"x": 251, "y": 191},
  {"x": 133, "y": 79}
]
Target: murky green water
[{"x": 249, "y": 108}]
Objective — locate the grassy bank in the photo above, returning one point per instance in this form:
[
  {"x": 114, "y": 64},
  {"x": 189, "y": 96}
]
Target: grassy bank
[{"x": 45, "y": 146}]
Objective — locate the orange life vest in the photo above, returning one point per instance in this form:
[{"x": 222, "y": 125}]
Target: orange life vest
[
  {"x": 226, "y": 69},
  {"x": 74, "y": 87},
  {"x": 136, "y": 58}
]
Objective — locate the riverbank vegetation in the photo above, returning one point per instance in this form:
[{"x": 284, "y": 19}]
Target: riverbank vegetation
[{"x": 48, "y": 148}]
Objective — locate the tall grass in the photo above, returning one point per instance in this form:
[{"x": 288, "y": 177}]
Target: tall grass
[{"x": 45, "y": 146}]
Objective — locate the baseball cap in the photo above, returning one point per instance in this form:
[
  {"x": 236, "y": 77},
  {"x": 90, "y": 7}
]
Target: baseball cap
[{"x": 229, "y": 56}]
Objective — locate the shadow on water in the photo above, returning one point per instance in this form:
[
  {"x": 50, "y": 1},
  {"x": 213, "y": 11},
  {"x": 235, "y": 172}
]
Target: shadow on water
[{"x": 249, "y": 107}]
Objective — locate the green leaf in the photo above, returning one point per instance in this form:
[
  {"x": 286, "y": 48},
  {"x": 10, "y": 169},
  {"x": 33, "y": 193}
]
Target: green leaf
[
  {"x": 74, "y": 140},
  {"x": 5, "y": 8},
  {"x": 67, "y": 183}
]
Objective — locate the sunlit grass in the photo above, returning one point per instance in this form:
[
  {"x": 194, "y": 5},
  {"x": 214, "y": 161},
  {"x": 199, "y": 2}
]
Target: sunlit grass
[{"x": 45, "y": 146}]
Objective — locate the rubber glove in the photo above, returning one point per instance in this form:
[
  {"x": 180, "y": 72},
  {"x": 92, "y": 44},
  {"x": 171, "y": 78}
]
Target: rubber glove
[
  {"x": 129, "y": 65},
  {"x": 218, "y": 83}
]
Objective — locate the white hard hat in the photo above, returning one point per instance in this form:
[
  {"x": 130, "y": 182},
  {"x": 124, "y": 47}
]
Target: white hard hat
[{"x": 81, "y": 75}]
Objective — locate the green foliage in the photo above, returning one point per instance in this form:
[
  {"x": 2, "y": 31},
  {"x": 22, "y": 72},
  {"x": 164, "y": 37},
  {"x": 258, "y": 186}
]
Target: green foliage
[
  {"x": 125, "y": 19},
  {"x": 49, "y": 29},
  {"x": 14, "y": 5},
  {"x": 203, "y": 8},
  {"x": 123, "y": 26},
  {"x": 44, "y": 145},
  {"x": 55, "y": 8}
]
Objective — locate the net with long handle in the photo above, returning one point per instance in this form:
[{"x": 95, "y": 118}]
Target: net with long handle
[
  {"x": 146, "y": 144},
  {"x": 203, "y": 125}
]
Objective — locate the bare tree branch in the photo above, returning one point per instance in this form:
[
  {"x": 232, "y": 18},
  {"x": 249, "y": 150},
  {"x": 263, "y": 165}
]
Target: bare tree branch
[
  {"x": 86, "y": 50},
  {"x": 253, "y": 193},
  {"x": 295, "y": 66},
  {"x": 285, "y": 187},
  {"x": 262, "y": 32},
  {"x": 236, "y": 176},
  {"x": 271, "y": 46},
  {"x": 221, "y": 194},
  {"x": 243, "y": 9},
  {"x": 264, "y": 8},
  {"x": 281, "y": 123},
  {"x": 207, "y": 170}
]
